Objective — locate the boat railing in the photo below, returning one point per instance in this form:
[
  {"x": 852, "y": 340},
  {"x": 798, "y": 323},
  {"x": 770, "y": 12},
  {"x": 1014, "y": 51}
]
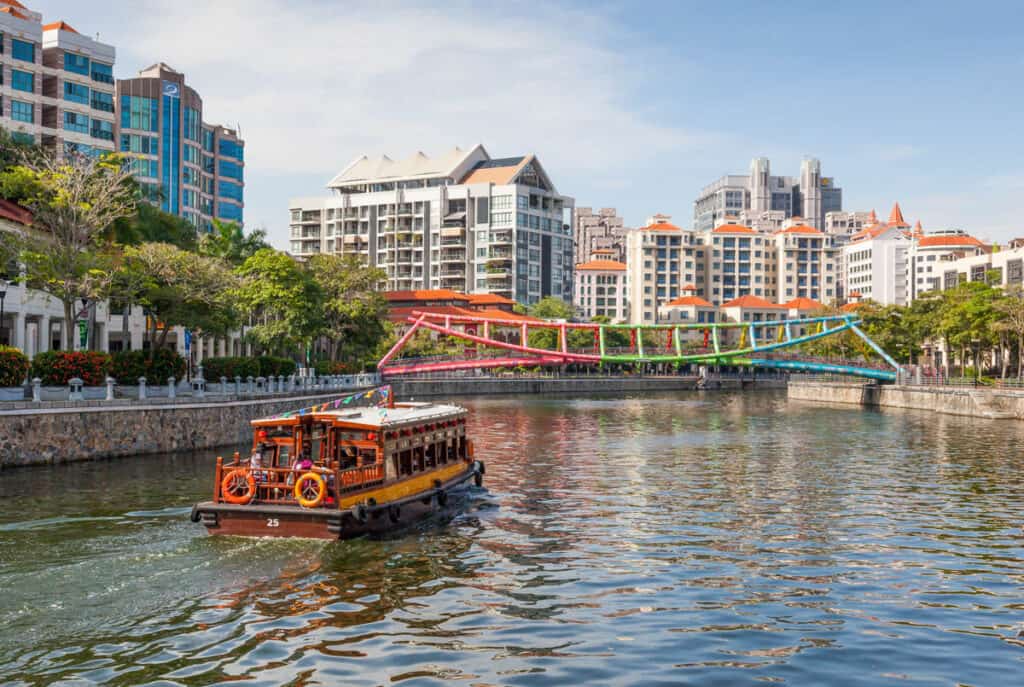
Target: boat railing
[{"x": 276, "y": 485}]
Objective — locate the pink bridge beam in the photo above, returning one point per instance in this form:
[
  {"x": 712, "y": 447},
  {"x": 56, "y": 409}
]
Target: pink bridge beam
[{"x": 448, "y": 366}]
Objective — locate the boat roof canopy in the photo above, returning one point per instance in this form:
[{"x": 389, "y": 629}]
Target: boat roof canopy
[{"x": 402, "y": 413}]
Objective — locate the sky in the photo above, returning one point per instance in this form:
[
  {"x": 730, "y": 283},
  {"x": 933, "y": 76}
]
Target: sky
[{"x": 629, "y": 105}]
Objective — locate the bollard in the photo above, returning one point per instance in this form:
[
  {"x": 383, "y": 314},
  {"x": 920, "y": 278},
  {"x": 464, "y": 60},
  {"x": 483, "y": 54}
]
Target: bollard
[
  {"x": 172, "y": 390},
  {"x": 238, "y": 385},
  {"x": 261, "y": 384},
  {"x": 142, "y": 388},
  {"x": 110, "y": 388},
  {"x": 199, "y": 385},
  {"x": 291, "y": 382},
  {"x": 223, "y": 385},
  {"x": 249, "y": 381},
  {"x": 37, "y": 390},
  {"x": 280, "y": 384},
  {"x": 75, "y": 389}
]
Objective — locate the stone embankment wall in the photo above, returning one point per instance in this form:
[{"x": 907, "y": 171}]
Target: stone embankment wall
[
  {"x": 58, "y": 435},
  {"x": 972, "y": 402}
]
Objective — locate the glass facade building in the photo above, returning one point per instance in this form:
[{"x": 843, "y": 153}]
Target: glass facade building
[{"x": 188, "y": 167}]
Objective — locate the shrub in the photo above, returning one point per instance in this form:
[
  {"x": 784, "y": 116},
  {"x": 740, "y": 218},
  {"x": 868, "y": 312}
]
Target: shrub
[
  {"x": 13, "y": 366},
  {"x": 126, "y": 367},
  {"x": 333, "y": 367},
  {"x": 276, "y": 367},
  {"x": 231, "y": 367},
  {"x": 55, "y": 368}
]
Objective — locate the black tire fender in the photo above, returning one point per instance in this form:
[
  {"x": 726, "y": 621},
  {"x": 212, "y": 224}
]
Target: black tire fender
[
  {"x": 478, "y": 479},
  {"x": 359, "y": 513},
  {"x": 394, "y": 513},
  {"x": 442, "y": 498},
  {"x": 194, "y": 516}
]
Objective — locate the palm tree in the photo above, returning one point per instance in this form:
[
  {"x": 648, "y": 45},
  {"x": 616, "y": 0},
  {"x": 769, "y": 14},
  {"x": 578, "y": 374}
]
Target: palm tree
[{"x": 228, "y": 241}]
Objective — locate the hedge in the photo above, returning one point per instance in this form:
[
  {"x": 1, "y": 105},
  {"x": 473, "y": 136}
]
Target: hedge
[
  {"x": 277, "y": 367},
  {"x": 333, "y": 367},
  {"x": 215, "y": 368},
  {"x": 56, "y": 368},
  {"x": 13, "y": 367},
  {"x": 127, "y": 366}
]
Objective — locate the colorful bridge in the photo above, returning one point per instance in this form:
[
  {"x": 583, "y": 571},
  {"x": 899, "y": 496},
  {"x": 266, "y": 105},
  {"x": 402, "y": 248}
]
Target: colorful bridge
[{"x": 507, "y": 343}]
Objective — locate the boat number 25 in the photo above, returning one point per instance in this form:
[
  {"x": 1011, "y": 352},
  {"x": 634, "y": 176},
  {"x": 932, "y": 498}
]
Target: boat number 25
[{"x": 272, "y": 522}]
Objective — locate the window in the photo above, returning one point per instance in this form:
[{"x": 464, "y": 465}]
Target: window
[
  {"x": 139, "y": 113},
  {"x": 102, "y": 101},
  {"x": 76, "y": 93},
  {"x": 102, "y": 130},
  {"x": 233, "y": 149},
  {"x": 229, "y": 211},
  {"x": 193, "y": 125},
  {"x": 133, "y": 143},
  {"x": 22, "y": 112},
  {"x": 23, "y": 81},
  {"x": 79, "y": 64},
  {"x": 76, "y": 122},
  {"x": 21, "y": 50},
  {"x": 103, "y": 73},
  {"x": 192, "y": 154},
  {"x": 231, "y": 170},
  {"x": 228, "y": 189},
  {"x": 143, "y": 167},
  {"x": 208, "y": 140}
]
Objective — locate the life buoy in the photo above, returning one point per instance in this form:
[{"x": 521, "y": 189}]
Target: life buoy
[
  {"x": 310, "y": 490},
  {"x": 238, "y": 486}
]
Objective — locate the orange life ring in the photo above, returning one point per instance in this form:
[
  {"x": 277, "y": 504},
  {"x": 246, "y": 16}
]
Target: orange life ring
[
  {"x": 304, "y": 490},
  {"x": 238, "y": 486}
]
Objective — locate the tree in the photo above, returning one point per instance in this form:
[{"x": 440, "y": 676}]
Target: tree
[
  {"x": 613, "y": 338},
  {"x": 552, "y": 308},
  {"x": 284, "y": 303},
  {"x": 229, "y": 242},
  {"x": 1011, "y": 310},
  {"x": 354, "y": 309},
  {"x": 178, "y": 288},
  {"x": 74, "y": 201},
  {"x": 150, "y": 224}
]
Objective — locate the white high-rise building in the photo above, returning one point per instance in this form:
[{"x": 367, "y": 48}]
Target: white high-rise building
[
  {"x": 462, "y": 221},
  {"x": 600, "y": 289},
  {"x": 58, "y": 84},
  {"x": 875, "y": 261}
]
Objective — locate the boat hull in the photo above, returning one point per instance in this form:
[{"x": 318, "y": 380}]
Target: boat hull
[{"x": 260, "y": 520}]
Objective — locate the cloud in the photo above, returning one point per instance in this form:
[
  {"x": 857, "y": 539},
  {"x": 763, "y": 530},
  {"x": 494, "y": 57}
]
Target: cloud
[{"x": 313, "y": 84}]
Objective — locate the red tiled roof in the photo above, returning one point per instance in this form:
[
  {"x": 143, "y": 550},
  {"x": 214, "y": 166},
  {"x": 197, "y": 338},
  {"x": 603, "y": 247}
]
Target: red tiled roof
[
  {"x": 855, "y": 294},
  {"x": 752, "y": 302},
  {"x": 13, "y": 12},
  {"x": 59, "y": 26},
  {"x": 404, "y": 313},
  {"x": 662, "y": 226},
  {"x": 489, "y": 299},
  {"x": 13, "y": 3},
  {"x": 689, "y": 300},
  {"x": 800, "y": 229},
  {"x": 803, "y": 304},
  {"x": 850, "y": 307},
  {"x": 936, "y": 241},
  {"x": 425, "y": 295},
  {"x": 896, "y": 217},
  {"x": 602, "y": 265},
  {"x": 689, "y": 287},
  {"x": 869, "y": 232},
  {"x": 15, "y": 212},
  {"x": 733, "y": 229}
]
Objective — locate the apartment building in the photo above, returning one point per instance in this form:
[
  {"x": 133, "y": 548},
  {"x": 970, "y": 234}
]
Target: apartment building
[
  {"x": 58, "y": 85},
  {"x": 661, "y": 260},
  {"x": 763, "y": 201},
  {"x": 188, "y": 167},
  {"x": 806, "y": 265},
  {"x": 601, "y": 230},
  {"x": 848, "y": 223},
  {"x": 741, "y": 262},
  {"x": 928, "y": 254},
  {"x": 1002, "y": 266},
  {"x": 462, "y": 221},
  {"x": 874, "y": 261},
  {"x": 600, "y": 288}
]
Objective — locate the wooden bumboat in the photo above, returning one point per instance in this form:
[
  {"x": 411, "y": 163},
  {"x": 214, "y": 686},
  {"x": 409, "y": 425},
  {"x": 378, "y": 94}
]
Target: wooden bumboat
[{"x": 373, "y": 470}]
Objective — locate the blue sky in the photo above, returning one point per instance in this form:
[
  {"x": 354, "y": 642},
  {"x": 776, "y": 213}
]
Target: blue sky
[{"x": 628, "y": 105}]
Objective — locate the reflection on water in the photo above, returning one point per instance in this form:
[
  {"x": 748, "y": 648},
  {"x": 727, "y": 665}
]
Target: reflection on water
[{"x": 719, "y": 539}]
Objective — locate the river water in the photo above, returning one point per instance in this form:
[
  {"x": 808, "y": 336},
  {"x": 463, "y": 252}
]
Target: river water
[{"x": 718, "y": 539}]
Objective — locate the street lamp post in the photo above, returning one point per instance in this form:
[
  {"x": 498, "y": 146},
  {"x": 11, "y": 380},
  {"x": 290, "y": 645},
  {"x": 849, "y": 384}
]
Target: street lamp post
[
  {"x": 3, "y": 294},
  {"x": 976, "y": 345}
]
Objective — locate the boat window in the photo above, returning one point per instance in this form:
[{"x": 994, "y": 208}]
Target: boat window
[
  {"x": 430, "y": 456},
  {"x": 367, "y": 456},
  {"x": 417, "y": 459},
  {"x": 405, "y": 463},
  {"x": 283, "y": 456}
]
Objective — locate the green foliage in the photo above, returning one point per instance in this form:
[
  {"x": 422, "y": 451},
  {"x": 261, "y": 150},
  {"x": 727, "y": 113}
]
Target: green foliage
[
  {"x": 354, "y": 310},
  {"x": 230, "y": 367},
  {"x": 13, "y": 367},
  {"x": 127, "y": 366},
  {"x": 150, "y": 224},
  {"x": 284, "y": 302},
  {"x": 275, "y": 367},
  {"x": 56, "y": 368},
  {"x": 333, "y": 367},
  {"x": 552, "y": 308},
  {"x": 229, "y": 242}
]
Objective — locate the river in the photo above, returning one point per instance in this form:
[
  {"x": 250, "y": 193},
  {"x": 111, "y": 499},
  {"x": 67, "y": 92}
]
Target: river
[{"x": 718, "y": 539}]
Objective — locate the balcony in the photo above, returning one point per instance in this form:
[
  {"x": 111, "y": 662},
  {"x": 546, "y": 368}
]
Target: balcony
[
  {"x": 453, "y": 269},
  {"x": 453, "y": 256},
  {"x": 501, "y": 237},
  {"x": 493, "y": 274}
]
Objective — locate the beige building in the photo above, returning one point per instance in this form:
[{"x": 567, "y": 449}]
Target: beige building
[
  {"x": 1007, "y": 264},
  {"x": 806, "y": 265},
  {"x": 661, "y": 260},
  {"x": 600, "y": 288}
]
